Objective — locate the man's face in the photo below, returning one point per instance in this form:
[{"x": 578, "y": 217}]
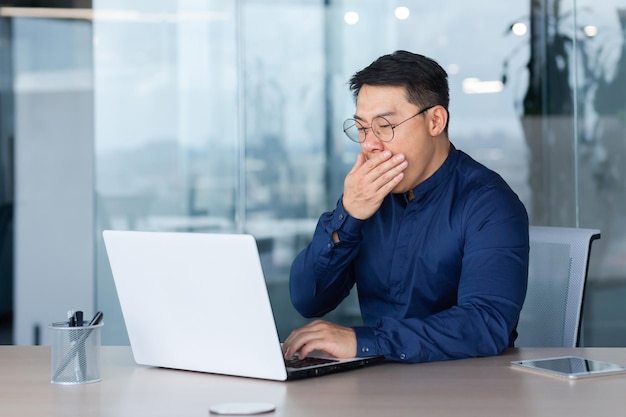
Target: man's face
[{"x": 413, "y": 138}]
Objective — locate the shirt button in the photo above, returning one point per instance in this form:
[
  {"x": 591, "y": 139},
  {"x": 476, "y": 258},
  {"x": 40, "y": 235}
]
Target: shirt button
[
  {"x": 402, "y": 356},
  {"x": 341, "y": 217},
  {"x": 330, "y": 245},
  {"x": 365, "y": 349}
]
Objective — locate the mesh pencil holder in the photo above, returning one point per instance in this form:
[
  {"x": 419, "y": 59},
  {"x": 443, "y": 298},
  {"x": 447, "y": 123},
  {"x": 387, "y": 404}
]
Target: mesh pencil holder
[{"x": 75, "y": 353}]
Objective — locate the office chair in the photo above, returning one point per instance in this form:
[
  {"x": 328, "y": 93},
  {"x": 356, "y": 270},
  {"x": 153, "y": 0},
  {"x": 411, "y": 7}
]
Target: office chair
[{"x": 559, "y": 259}]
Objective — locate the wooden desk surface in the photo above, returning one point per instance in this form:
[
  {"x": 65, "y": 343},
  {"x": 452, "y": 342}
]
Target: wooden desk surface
[{"x": 472, "y": 387}]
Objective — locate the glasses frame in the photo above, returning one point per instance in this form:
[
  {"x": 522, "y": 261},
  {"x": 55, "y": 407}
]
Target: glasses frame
[{"x": 354, "y": 122}]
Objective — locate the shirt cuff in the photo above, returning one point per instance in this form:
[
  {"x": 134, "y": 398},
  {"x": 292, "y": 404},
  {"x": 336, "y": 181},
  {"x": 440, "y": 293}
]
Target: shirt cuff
[
  {"x": 365, "y": 341},
  {"x": 348, "y": 228}
]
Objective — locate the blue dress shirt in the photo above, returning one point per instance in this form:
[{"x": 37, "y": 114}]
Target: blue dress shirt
[{"x": 442, "y": 276}]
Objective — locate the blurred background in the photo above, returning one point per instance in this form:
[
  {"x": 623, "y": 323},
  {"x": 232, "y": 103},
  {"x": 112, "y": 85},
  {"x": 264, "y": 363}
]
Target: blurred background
[{"x": 226, "y": 115}]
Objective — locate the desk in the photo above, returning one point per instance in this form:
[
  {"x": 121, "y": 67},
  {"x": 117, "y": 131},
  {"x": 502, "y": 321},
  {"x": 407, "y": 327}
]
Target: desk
[{"x": 472, "y": 387}]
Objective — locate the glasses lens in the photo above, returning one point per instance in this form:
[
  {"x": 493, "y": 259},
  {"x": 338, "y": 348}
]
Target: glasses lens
[
  {"x": 353, "y": 130},
  {"x": 382, "y": 129}
]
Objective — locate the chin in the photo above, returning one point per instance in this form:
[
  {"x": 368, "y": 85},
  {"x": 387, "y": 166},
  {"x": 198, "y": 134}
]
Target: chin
[{"x": 400, "y": 189}]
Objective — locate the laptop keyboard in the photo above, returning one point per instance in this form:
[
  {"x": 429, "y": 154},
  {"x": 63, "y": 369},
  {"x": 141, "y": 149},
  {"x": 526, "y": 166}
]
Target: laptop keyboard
[{"x": 308, "y": 361}]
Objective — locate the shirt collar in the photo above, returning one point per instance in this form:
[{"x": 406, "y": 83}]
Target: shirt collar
[{"x": 439, "y": 176}]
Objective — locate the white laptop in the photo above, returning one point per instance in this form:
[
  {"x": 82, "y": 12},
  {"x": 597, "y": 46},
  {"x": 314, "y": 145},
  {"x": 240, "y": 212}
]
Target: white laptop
[{"x": 199, "y": 302}]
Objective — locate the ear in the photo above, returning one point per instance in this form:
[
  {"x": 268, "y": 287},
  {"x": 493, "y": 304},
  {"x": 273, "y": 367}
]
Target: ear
[{"x": 438, "y": 120}]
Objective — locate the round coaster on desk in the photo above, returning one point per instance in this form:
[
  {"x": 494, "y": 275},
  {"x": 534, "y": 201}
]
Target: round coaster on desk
[{"x": 240, "y": 409}]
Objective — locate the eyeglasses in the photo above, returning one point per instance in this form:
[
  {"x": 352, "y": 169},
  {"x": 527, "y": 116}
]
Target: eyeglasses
[{"x": 382, "y": 128}]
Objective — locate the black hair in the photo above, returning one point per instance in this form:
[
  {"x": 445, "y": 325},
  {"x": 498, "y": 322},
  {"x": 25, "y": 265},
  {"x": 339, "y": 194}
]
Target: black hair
[{"x": 425, "y": 81}]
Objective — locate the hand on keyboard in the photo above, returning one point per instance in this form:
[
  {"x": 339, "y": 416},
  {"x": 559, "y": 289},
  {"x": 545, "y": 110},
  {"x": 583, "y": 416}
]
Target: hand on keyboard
[{"x": 308, "y": 361}]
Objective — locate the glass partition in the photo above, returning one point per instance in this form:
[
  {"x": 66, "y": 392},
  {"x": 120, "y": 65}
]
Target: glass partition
[
  {"x": 598, "y": 51},
  {"x": 167, "y": 123},
  {"x": 226, "y": 116}
]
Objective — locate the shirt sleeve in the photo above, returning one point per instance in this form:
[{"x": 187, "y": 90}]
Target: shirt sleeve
[{"x": 321, "y": 275}]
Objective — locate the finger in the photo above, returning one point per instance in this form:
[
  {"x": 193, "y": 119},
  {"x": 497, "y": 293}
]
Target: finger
[
  {"x": 373, "y": 169},
  {"x": 310, "y": 346},
  {"x": 297, "y": 343},
  {"x": 288, "y": 344},
  {"x": 330, "y": 338},
  {"x": 376, "y": 160},
  {"x": 290, "y": 347},
  {"x": 360, "y": 160},
  {"x": 301, "y": 336},
  {"x": 388, "y": 165},
  {"x": 309, "y": 342},
  {"x": 368, "y": 184},
  {"x": 390, "y": 178},
  {"x": 383, "y": 170}
]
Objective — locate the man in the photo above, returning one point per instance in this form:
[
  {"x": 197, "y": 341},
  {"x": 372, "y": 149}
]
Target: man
[{"x": 436, "y": 243}]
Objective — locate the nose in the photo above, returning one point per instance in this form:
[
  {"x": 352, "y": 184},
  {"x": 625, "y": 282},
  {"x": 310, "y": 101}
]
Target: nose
[{"x": 372, "y": 143}]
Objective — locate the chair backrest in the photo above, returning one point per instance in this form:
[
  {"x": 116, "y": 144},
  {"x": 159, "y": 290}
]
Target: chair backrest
[{"x": 557, "y": 272}]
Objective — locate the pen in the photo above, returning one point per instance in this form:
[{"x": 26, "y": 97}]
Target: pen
[
  {"x": 78, "y": 316},
  {"x": 71, "y": 318},
  {"x": 81, "y": 358},
  {"x": 71, "y": 322},
  {"x": 96, "y": 319},
  {"x": 80, "y": 343}
]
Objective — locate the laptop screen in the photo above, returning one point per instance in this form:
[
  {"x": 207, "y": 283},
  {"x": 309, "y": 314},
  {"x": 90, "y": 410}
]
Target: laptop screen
[{"x": 196, "y": 301}]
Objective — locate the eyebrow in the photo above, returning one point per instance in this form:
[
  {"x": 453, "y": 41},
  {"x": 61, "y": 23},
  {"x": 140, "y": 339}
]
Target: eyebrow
[{"x": 386, "y": 114}]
